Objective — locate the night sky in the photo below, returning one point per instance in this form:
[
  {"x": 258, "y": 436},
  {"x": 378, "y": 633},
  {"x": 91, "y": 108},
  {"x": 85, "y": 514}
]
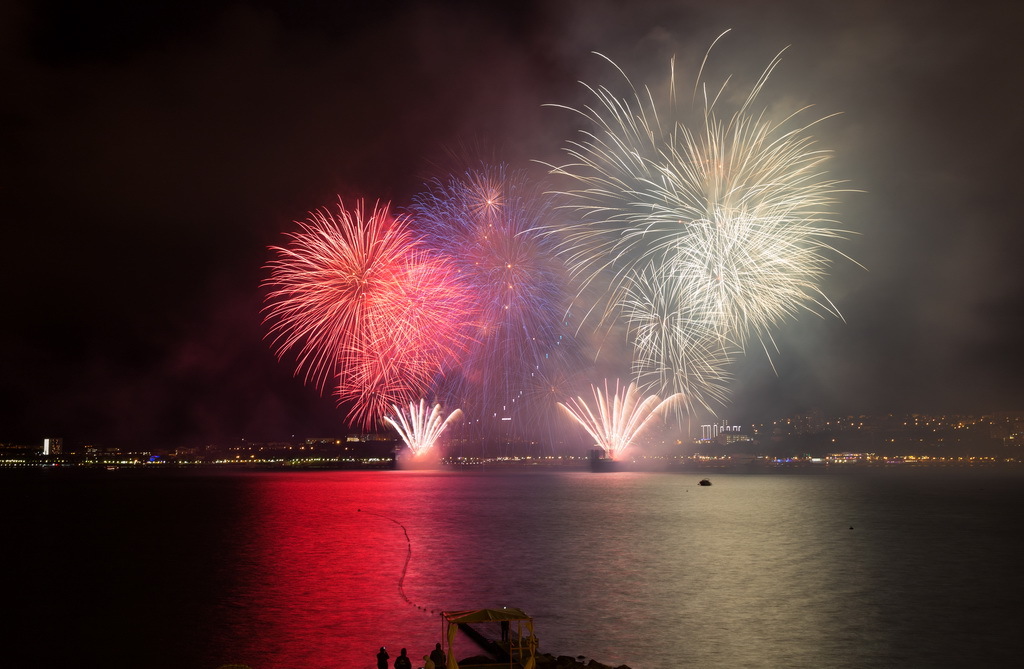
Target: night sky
[{"x": 151, "y": 152}]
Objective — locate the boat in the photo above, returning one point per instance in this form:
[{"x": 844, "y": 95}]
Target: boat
[
  {"x": 704, "y": 482},
  {"x": 599, "y": 463}
]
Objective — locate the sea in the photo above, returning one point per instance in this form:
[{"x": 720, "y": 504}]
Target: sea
[{"x": 201, "y": 569}]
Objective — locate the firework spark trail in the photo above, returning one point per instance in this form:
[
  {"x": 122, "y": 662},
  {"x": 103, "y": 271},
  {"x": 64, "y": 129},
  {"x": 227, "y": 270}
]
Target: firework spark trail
[
  {"x": 489, "y": 220},
  {"x": 617, "y": 419},
  {"x": 676, "y": 346},
  {"x": 366, "y": 307},
  {"x": 417, "y": 427},
  {"x": 413, "y": 335},
  {"x": 704, "y": 236}
]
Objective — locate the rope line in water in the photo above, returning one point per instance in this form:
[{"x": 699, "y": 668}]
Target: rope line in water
[{"x": 408, "y": 558}]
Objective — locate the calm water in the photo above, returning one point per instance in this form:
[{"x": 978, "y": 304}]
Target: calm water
[{"x": 319, "y": 569}]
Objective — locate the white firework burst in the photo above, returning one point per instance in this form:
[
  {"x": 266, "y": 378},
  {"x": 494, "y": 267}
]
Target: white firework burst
[
  {"x": 704, "y": 236},
  {"x": 418, "y": 427},
  {"x": 616, "y": 419}
]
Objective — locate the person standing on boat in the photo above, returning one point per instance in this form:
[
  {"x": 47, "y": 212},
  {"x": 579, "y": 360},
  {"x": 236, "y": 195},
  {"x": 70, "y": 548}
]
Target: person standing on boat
[
  {"x": 403, "y": 661},
  {"x": 382, "y": 658}
]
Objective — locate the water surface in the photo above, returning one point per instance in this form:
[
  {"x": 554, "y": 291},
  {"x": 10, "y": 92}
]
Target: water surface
[{"x": 319, "y": 569}]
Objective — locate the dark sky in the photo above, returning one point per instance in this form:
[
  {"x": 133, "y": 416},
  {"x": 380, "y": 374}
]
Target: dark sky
[{"x": 150, "y": 152}]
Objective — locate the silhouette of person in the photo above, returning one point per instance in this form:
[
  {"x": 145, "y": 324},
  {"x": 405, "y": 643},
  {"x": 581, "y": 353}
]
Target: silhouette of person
[
  {"x": 382, "y": 658},
  {"x": 438, "y": 656},
  {"x": 403, "y": 661},
  {"x": 427, "y": 662}
]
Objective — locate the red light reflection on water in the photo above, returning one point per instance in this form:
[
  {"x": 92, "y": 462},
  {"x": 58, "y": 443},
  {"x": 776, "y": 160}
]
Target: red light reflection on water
[{"x": 317, "y": 579}]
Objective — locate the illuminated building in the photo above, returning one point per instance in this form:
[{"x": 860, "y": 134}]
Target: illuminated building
[{"x": 712, "y": 432}]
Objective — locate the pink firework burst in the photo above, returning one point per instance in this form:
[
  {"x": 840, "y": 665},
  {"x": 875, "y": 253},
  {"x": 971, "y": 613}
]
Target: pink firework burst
[{"x": 366, "y": 308}]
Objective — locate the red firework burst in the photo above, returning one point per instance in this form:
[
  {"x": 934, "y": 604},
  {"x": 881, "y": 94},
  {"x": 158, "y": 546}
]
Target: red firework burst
[{"x": 365, "y": 308}]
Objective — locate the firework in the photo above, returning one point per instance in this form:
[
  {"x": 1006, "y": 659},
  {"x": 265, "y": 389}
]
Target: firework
[
  {"x": 490, "y": 220},
  {"x": 366, "y": 308},
  {"x": 703, "y": 236},
  {"x": 617, "y": 418},
  {"x": 676, "y": 345},
  {"x": 419, "y": 428}
]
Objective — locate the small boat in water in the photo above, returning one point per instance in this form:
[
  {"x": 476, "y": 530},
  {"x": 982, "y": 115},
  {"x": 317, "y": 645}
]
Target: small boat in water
[
  {"x": 599, "y": 463},
  {"x": 704, "y": 482}
]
